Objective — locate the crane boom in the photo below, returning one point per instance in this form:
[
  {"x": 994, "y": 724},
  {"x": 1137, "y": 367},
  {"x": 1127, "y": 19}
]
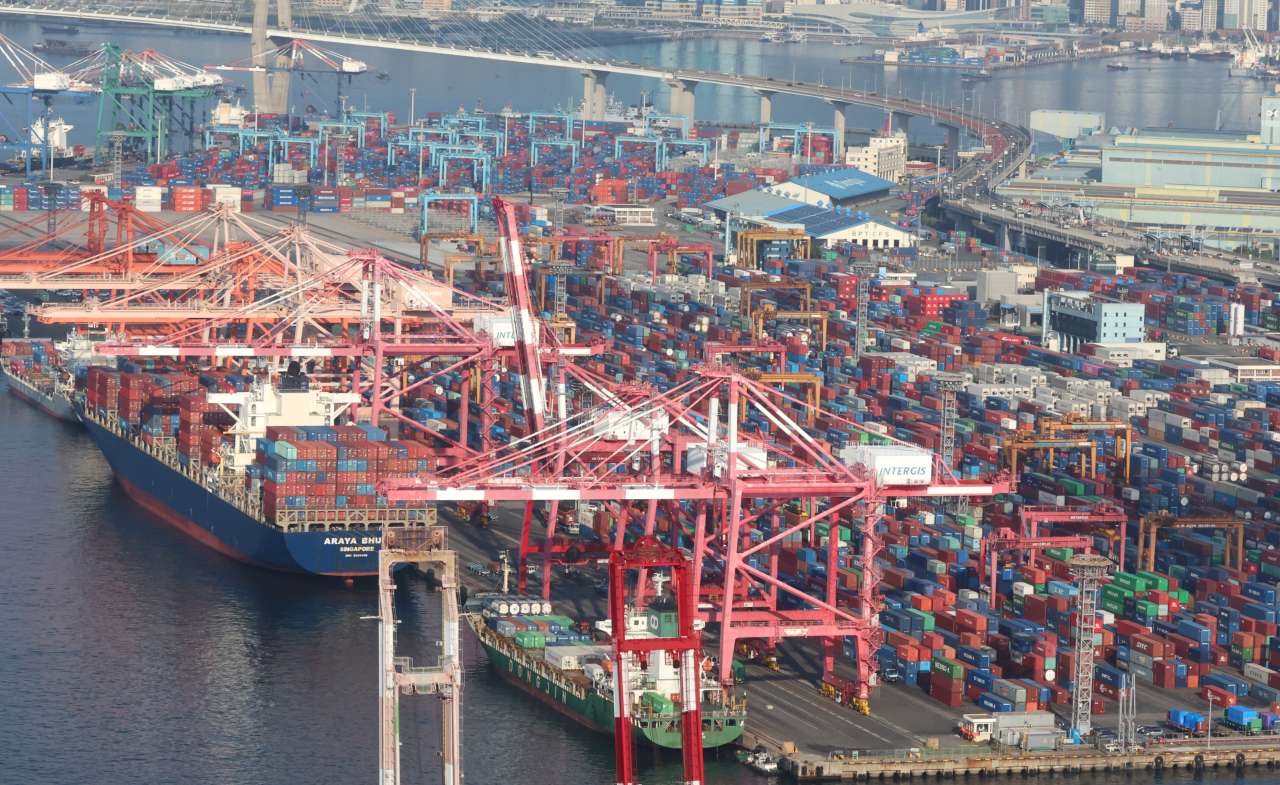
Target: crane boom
[{"x": 524, "y": 328}]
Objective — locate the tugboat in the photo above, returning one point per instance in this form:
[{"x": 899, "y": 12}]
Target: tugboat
[
  {"x": 1117, "y": 67},
  {"x": 759, "y": 761},
  {"x": 981, "y": 76}
]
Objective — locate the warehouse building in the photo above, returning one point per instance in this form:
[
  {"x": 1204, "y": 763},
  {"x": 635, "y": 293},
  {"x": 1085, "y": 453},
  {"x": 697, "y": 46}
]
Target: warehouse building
[
  {"x": 759, "y": 209},
  {"x": 842, "y": 188},
  {"x": 1221, "y": 186}
]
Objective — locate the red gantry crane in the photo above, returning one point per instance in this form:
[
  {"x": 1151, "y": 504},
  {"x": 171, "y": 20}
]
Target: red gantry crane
[{"x": 1029, "y": 539}]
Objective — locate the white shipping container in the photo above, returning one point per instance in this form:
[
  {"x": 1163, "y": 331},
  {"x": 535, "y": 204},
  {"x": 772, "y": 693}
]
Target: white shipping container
[
  {"x": 892, "y": 465},
  {"x": 1257, "y": 674}
]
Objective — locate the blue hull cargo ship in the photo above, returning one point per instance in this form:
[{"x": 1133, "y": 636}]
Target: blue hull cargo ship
[{"x": 227, "y": 504}]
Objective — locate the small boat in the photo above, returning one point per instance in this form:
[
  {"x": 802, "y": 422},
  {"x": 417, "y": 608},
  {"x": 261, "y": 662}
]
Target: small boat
[
  {"x": 797, "y": 38},
  {"x": 1117, "y": 67},
  {"x": 760, "y": 762},
  {"x": 59, "y": 30},
  {"x": 981, "y": 76}
]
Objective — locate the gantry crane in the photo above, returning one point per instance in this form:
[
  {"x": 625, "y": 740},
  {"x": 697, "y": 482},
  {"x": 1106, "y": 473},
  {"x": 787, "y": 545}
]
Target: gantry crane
[
  {"x": 1070, "y": 423},
  {"x": 542, "y": 272},
  {"x": 553, "y": 242},
  {"x": 793, "y": 284},
  {"x": 767, "y": 313},
  {"x": 397, "y": 674},
  {"x": 1024, "y": 441},
  {"x": 1150, "y": 524},
  {"x": 1007, "y": 540},
  {"x": 291, "y": 58},
  {"x": 452, "y": 260},
  {"x": 1031, "y": 516},
  {"x": 461, "y": 238},
  {"x": 673, "y": 247},
  {"x": 684, "y": 648},
  {"x": 811, "y": 381},
  {"x": 748, "y": 244},
  {"x": 618, "y": 247}
]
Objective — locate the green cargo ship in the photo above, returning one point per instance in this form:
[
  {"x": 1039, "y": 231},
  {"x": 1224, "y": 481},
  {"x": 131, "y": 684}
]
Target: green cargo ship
[{"x": 590, "y": 702}]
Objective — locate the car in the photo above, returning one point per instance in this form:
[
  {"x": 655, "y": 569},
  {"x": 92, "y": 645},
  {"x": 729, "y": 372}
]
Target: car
[
  {"x": 476, "y": 568},
  {"x": 1154, "y": 734},
  {"x": 891, "y": 675}
]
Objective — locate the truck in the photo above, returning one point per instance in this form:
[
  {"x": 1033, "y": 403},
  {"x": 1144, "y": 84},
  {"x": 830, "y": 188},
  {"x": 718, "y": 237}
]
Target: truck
[{"x": 1187, "y": 722}]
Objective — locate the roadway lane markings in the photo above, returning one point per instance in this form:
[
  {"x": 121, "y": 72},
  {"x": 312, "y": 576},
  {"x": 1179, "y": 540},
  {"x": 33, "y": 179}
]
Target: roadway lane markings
[{"x": 847, "y": 717}]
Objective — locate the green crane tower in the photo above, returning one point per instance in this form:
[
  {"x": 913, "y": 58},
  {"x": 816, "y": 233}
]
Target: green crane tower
[{"x": 149, "y": 97}]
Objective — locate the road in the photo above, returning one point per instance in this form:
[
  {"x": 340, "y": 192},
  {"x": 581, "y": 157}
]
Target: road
[{"x": 1118, "y": 240}]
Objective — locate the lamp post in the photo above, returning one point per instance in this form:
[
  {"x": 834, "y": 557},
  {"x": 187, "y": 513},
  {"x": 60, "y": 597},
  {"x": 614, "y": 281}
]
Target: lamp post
[{"x": 1208, "y": 741}]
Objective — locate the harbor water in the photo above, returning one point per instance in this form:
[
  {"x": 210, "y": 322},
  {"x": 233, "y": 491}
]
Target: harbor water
[
  {"x": 1186, "y": 94},
  {"x": 133, "y": 654}
]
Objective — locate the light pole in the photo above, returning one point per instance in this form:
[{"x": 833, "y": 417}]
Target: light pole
[
  {"x": 1208, "y": 739},
  {"x": 413, "y": 95}
]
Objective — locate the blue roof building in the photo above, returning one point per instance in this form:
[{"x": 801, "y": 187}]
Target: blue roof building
[{"x": 843, "y": 188}]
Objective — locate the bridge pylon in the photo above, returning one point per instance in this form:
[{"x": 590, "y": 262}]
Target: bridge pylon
[{"x": 270, "y": 89}]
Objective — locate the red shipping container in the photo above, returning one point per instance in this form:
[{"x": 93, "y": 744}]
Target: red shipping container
[{"x": 1220, "y": 696}]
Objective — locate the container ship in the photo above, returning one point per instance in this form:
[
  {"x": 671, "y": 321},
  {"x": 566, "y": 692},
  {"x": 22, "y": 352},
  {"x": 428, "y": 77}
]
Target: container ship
[
  {"x": 37, "y": 372},
  {"x": 553, "y": 659},
  {"x": 43, "y": 387},
  {"x": 275, "y": 485},
  {"x": 58, "y": 46}
]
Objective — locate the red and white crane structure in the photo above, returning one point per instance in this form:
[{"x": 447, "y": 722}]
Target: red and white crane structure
[{"x": 725, "y": 492}]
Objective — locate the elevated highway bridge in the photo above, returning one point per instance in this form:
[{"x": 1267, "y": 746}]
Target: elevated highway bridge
[{"x": 1000, "y": 136}]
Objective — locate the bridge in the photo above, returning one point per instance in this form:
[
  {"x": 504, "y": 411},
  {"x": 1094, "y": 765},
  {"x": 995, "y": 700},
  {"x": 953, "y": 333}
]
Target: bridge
[{"x": 999, "y": 135}]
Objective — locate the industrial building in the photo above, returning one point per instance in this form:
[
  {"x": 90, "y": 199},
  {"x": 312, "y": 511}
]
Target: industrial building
[
  {"x": 1247, "y": 369},
  {"x": 884, "y": 157},
  {"x": 841, "y": 188},
  {"x": 1222, "y": 188},
  {"x": 762, "y": 209},
  {"x": 1073, "y": 319}
]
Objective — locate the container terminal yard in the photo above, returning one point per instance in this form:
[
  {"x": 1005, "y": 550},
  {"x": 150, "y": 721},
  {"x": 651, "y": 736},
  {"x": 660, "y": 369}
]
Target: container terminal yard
[{"x": 692, "y": 433}]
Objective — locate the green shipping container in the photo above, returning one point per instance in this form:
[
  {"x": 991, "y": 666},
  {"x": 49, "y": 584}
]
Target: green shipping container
[
  {"x": 1156, "y": 582},
  {"x": 656, "y": 703},
  {"x": 951, "y": 668},
  {"x": 1130, "y": 582}
]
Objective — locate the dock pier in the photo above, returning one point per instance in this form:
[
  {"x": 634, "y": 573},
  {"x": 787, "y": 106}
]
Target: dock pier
[{"x": 941, "y": 765}]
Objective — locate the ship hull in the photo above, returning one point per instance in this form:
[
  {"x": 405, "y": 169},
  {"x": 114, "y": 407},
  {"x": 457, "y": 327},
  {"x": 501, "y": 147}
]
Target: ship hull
[
  {"x": 216, "y": 523},
  {"x": 53, "y": 405},
  {"x": 593, "y": 711}
]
